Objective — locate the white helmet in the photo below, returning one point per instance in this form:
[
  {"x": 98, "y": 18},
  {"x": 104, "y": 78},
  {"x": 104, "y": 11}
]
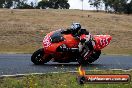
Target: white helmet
[{"x": 76, "y": 26}]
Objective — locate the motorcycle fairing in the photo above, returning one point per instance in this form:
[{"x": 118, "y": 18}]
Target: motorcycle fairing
[{"x": 101, "y": 41}]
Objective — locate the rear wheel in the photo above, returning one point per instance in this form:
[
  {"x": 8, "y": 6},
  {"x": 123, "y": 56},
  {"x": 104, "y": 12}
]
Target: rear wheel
[{"x": 38, "y": 57}]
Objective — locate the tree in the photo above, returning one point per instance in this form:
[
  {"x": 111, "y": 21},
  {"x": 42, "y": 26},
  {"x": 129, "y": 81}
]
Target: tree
[
  {"x": 95, "y": 3},
  {"x": 22, "y": 4},
  {"x": 1, "y": 3},
  {"x": 32, "y": 4},
  {"x": 107, "y": 5},
  {"x": 8, "y": 3},
  {"x": 56, "y": 4},
  {"x": 62, "y": 4},
  {"x": 26, "y": 6},
  {"x": 128, "y": 8},
  {"x": 43, "y": 4},
  {"x": 119, "y": 6}
]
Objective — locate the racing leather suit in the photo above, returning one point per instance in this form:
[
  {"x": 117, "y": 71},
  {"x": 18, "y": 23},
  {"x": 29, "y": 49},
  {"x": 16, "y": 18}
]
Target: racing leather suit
[{"x": 84, "y": 36}]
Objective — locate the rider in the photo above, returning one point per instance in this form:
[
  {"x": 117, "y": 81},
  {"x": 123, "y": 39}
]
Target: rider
[{"x": 84, "y": 36}]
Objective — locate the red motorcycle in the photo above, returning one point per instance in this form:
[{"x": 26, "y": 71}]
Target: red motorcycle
[{"x": 54, "y": 40}]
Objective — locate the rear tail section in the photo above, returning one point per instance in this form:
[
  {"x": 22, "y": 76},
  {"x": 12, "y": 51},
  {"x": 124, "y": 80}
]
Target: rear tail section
[{"x": 102, "y": 41}]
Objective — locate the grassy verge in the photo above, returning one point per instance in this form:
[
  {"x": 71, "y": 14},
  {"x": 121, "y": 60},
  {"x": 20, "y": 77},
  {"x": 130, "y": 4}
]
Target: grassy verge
[
  {"x": 22, "y": 31},
  {"x": 60, "y": 80}
]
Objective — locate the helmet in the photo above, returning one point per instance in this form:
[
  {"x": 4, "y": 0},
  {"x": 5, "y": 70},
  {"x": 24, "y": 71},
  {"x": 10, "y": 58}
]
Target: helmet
[{"x": 76, "y": 26}]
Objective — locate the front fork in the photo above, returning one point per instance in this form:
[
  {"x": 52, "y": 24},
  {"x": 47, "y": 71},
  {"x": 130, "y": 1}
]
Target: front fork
[{"x": 86, "y": 53}]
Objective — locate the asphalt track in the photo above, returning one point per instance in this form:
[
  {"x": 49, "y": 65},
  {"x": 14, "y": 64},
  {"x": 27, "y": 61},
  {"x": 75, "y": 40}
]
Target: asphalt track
[{"x": 21, "y": 64}]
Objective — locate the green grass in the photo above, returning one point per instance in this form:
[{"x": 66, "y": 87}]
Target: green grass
[{"x": 59, "y": 80}]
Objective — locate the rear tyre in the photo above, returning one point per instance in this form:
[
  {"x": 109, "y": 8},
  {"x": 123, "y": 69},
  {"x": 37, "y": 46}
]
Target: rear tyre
[
  {"x": 94, "y": 56},
  {"x": 38, "y": 57}
]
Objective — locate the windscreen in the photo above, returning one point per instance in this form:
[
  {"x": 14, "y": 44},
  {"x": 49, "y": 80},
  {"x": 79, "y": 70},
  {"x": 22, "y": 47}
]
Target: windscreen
[{"x": 57, "y": 37}]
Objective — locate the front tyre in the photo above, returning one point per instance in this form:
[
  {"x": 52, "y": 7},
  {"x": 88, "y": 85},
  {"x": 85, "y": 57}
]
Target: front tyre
[
  {"x": 94, "y": 56},
  {"x": 38, "y": 57},
  {"x": 91, "y": 59},
  {"x": 81, "y": 61}
]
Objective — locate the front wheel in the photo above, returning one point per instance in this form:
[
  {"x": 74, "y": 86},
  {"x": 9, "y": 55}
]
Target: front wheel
[
  {"x": 94, "y": 56},
  {"x": 91, "y": 59},
  {"x": 81, "y": 61},
  {"x": 38, "y": 57}
]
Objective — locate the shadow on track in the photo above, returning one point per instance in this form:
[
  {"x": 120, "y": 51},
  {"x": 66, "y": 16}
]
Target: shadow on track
[{"x": 70, "y": 65}]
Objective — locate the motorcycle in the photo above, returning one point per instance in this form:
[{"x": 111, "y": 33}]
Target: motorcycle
[{"x": 53, "y": 42}]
